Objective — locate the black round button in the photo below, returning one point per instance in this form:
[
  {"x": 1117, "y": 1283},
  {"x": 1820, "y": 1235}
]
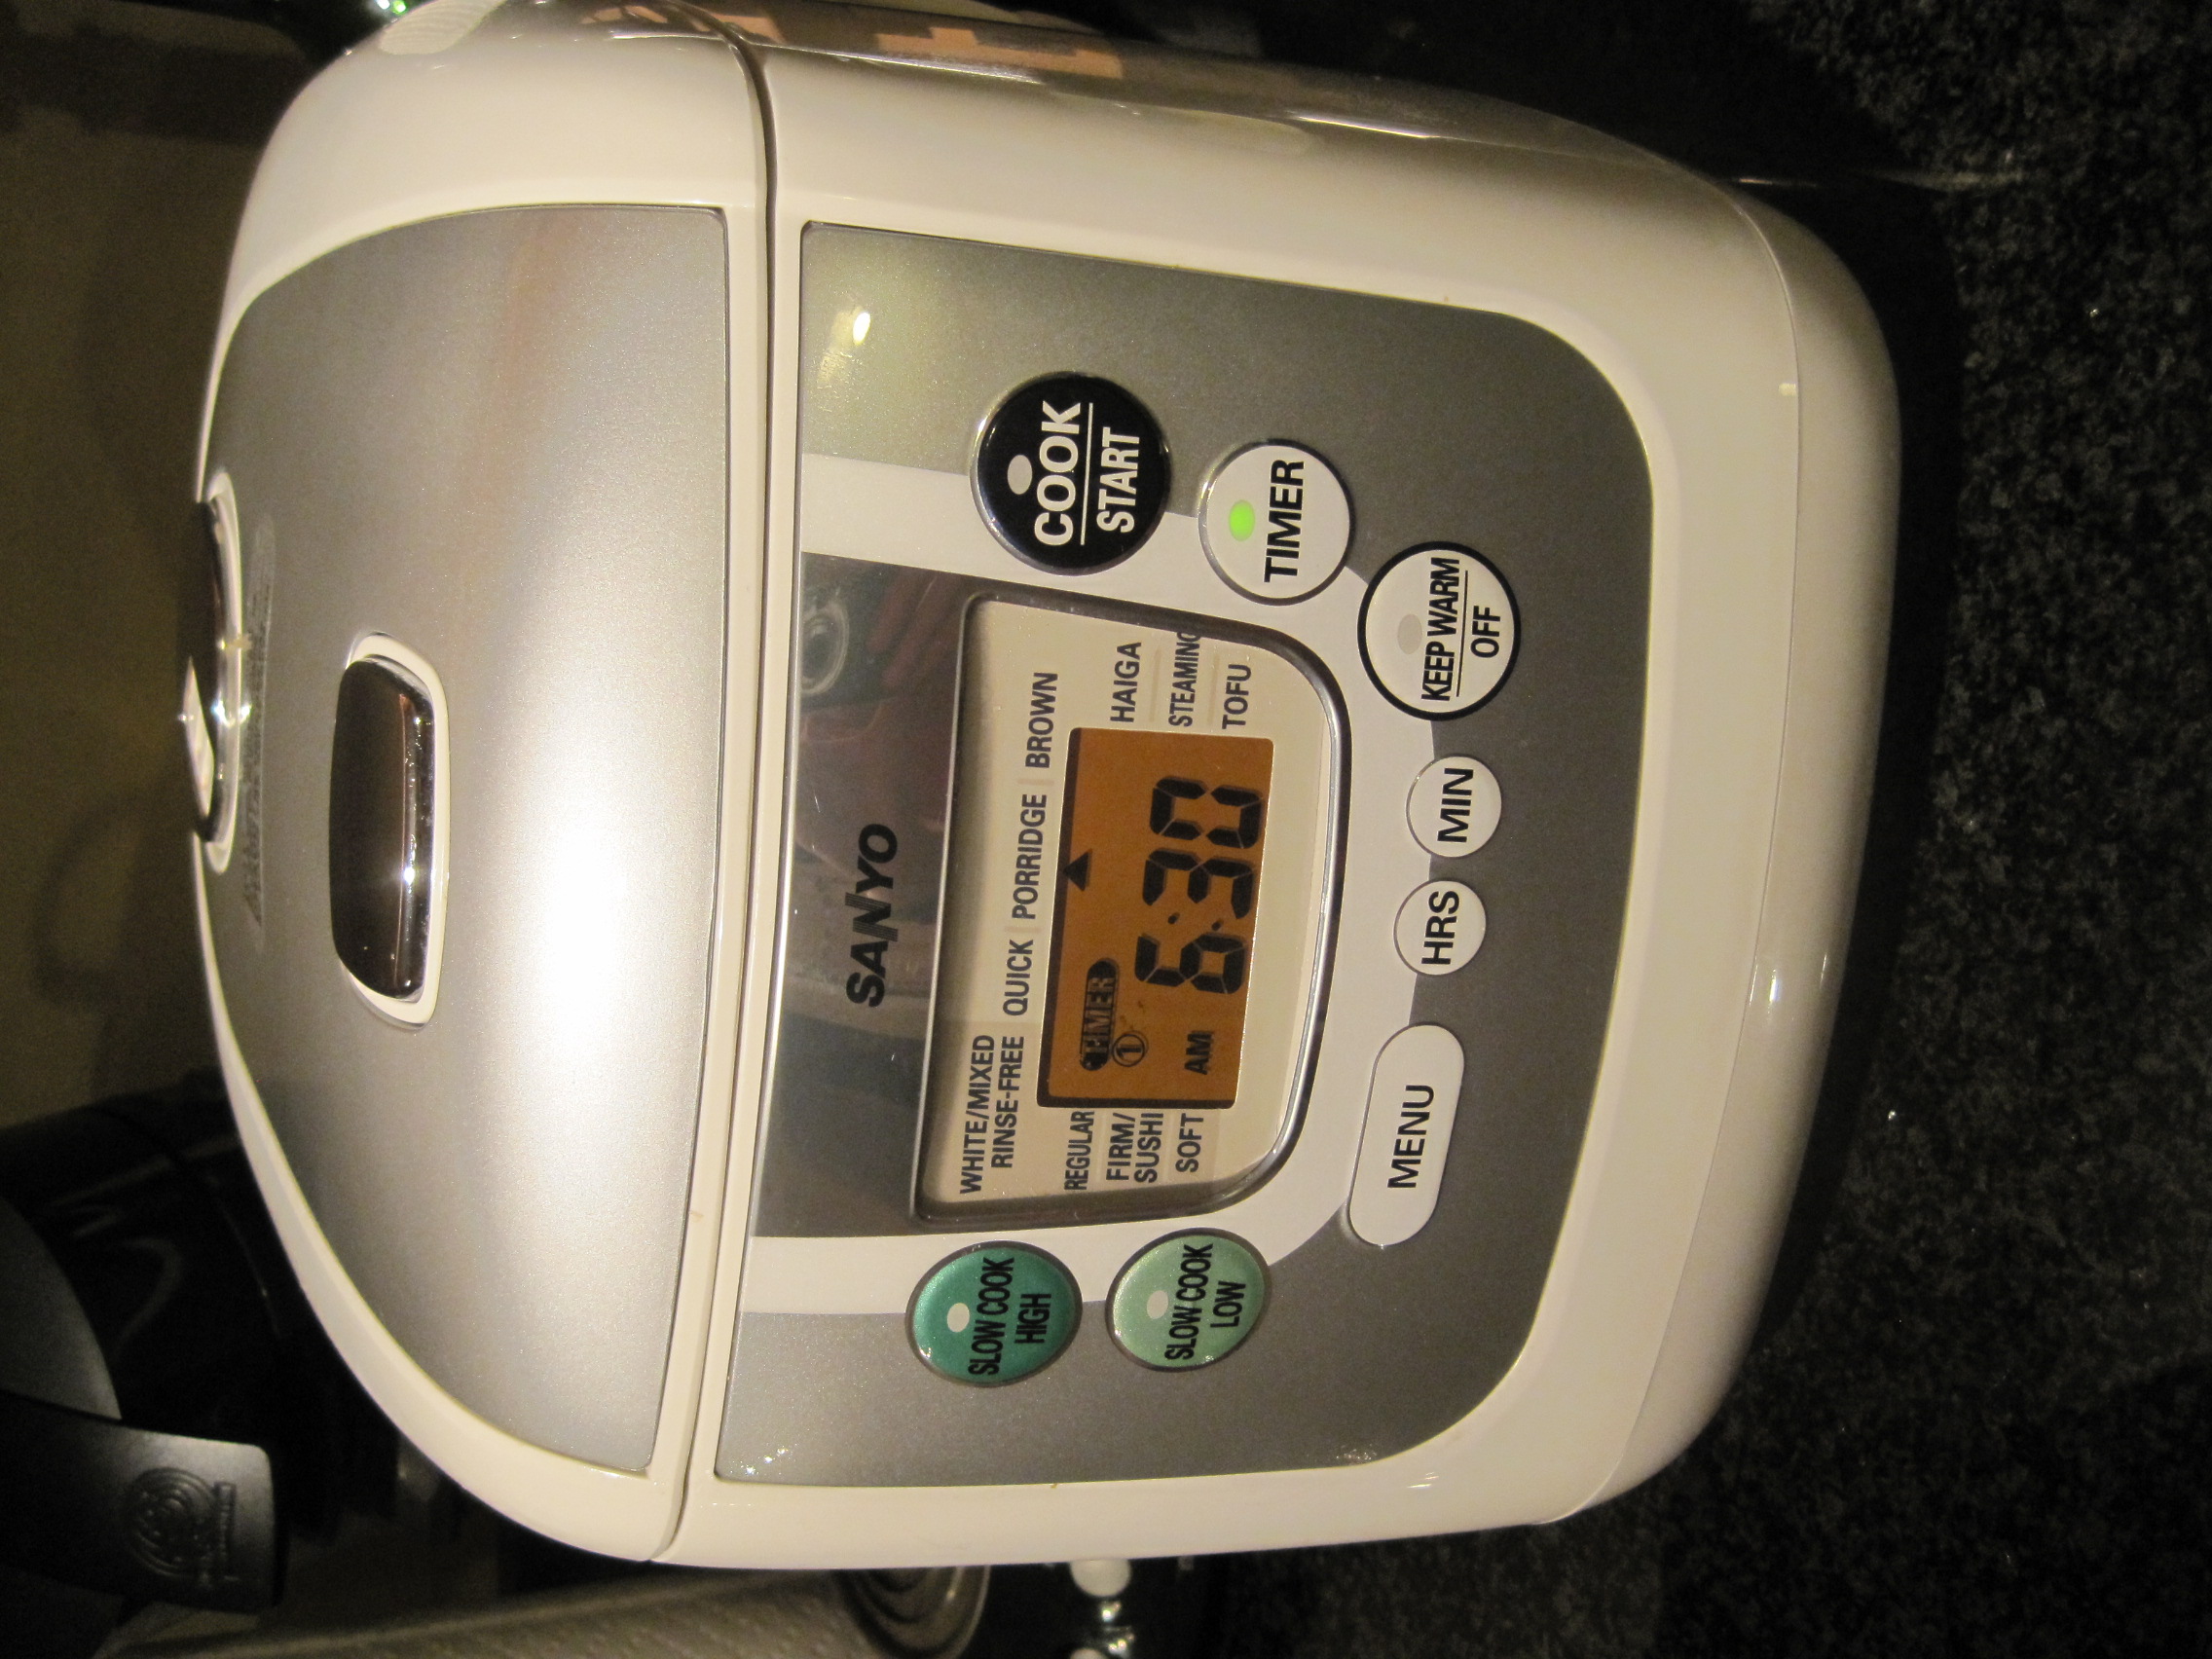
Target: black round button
[{"x": 1071, "y": 472}]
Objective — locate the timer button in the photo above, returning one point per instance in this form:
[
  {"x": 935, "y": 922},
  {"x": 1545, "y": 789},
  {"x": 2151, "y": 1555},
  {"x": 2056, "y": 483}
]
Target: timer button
[
  {"x": 1453, "y": 807},
  {"x": 1440, "y": 927},
  {"x": 1189, "y": 1299},
  {"x": 1409, "y": 1108},
  {"x": 1275, "y": 521},
  {"x": 993, "y": 1315}
]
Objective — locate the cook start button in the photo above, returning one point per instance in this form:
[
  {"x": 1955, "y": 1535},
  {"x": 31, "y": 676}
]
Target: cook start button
[
  {"x": 1071, "y": 473},
  {"x": 1188, "y": 1300},
  {"x": 1409, "y": 1108},
  {"x": 1438, "y": 630},
  {"x": 994, "y": 1313},
  {"x": 1275, "y": 521}
]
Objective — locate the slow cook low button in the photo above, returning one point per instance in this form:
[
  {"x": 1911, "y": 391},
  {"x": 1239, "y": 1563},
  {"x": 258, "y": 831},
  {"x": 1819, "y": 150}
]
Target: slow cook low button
[{"x": 1410, "y": 1109}]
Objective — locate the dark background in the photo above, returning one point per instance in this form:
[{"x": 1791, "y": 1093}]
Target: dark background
[
  {"x": 1985, "y": 1425},
  {"x": 1983, "y": 1422}
]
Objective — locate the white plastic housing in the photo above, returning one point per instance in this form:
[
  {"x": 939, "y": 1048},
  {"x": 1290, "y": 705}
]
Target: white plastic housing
[{"x": 1756, "y": 379}]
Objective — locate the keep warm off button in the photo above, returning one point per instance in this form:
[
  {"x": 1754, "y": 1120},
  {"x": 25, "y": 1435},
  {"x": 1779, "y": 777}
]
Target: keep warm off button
[
  {"x": 1410, "y": 1109},
  {"x": 1439, "y": 630}
]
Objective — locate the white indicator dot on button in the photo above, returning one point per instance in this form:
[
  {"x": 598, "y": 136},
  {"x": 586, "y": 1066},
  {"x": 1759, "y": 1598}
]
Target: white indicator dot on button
[
  {"x": 1275, "y": 521},
  {"x": 1156, "y": 1304},
  {"x": 1440, "y": 927},
  {"x": 956, "y": 1317},
  {"x": 1455, "y": 805}
]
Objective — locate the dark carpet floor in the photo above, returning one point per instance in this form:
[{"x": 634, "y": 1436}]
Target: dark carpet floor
[{"x": 1983, "y": 1424}]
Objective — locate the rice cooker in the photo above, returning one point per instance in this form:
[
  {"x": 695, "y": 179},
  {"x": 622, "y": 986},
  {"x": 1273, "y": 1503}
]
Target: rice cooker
[{"x": 971, "y": 794}]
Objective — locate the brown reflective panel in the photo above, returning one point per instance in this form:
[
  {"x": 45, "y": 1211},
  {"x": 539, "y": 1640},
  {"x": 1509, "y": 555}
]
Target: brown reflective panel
[{"x": 380, "y": 828}]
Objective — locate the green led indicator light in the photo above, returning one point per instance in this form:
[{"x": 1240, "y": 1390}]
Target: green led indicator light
[{"x": 1241, "y": 519}]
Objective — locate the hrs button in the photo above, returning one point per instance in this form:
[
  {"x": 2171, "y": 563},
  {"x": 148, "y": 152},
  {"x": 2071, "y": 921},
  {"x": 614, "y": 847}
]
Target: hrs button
[
  {"x": 1440, "y": 927},
  {"x": 1071, "y": 473},
  {"x": 1275, "y": 521}
]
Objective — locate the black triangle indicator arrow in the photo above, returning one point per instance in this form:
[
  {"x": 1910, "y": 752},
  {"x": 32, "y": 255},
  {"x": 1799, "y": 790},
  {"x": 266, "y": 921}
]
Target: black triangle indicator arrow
[{"x": 1078, "y": 872}]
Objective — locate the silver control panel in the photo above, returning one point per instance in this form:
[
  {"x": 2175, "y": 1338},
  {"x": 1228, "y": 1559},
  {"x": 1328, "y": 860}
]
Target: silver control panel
[{"x": 1023, "y": 829}]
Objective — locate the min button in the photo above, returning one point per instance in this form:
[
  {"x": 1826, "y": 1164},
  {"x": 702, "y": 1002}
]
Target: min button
[{"x": 1453, "y": 807}]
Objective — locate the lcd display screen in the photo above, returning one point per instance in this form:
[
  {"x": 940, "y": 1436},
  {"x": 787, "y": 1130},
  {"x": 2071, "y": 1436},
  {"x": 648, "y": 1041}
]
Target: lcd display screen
[{"x": 1163, "y": 843}]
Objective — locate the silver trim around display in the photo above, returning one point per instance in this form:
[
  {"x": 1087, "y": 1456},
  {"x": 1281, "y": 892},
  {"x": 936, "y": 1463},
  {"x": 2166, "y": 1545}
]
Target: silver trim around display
[{"x": 850, "y": 1076}]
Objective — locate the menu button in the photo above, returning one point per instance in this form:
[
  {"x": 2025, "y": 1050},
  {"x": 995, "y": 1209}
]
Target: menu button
[{"x": 1411, "y": 1106}]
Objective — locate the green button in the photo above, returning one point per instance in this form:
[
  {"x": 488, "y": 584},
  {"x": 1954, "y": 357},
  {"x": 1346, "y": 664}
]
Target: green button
[
  {"x": 994, "y": 1315},
  {"x": 1189, "y": 1299}
]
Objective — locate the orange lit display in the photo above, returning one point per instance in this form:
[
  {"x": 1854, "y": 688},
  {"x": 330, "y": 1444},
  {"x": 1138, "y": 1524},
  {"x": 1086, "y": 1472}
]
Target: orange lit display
[{"x": 1162, "y": 845}]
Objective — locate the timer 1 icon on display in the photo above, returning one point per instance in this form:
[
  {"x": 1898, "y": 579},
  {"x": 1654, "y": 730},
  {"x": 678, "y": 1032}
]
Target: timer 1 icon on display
[{"x": 1071, "y": 473}]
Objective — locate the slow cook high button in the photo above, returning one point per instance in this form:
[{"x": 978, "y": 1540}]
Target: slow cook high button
[
  {"x": 993, "y": 1315},
  {"x": 1411, "y": 1106}
]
